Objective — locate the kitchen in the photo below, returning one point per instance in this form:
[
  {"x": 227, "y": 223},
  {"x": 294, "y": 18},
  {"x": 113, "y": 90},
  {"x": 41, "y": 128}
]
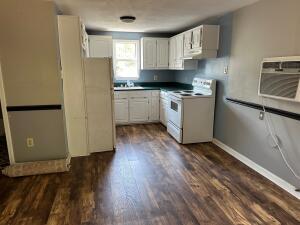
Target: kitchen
[{"x": 148, "y": 112}]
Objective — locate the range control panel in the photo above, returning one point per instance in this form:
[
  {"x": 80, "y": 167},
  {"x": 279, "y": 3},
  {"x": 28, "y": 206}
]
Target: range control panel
[{"x": 202, "y": 83}]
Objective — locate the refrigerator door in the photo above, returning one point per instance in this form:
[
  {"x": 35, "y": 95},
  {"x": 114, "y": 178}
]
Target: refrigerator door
[{"x": 99, "y": 95}]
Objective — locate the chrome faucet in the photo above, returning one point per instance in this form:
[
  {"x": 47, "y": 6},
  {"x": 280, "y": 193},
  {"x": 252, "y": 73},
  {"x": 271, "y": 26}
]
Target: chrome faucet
[{"x": 130, "y": 83}]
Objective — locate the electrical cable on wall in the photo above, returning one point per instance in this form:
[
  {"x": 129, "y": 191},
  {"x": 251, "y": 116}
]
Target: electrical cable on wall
[{"x": 276, "y": 141}]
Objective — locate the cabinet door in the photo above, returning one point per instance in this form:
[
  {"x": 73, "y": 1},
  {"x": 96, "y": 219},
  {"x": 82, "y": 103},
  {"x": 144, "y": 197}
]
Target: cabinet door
[
  {"x": 100, "y": 46},
  {"x": 172, "y": 53},
  {"x": 163, "y": 114},
  {"x": 154, "y": 109},
  {"x": 139, "y": 110},
  {"x": 162, "y": 58},
  {"x": 179, "y": 52},
  {"x": 187, "y": 37},
  {"x": 121, "y": 111},
  {"x": 196, "y": 38},
  {"x": 149, "y": 53}
]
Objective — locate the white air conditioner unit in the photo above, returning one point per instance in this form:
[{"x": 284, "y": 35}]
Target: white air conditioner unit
[{"x": 280, "y": 78}]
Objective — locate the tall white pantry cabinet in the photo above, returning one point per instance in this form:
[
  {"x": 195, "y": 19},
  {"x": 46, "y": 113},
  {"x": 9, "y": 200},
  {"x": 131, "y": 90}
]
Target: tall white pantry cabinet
[{"x": 87, "y": 87}]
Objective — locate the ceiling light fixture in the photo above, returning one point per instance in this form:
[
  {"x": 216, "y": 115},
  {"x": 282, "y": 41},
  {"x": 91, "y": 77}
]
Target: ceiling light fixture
[{"x": 127, "y": 19}]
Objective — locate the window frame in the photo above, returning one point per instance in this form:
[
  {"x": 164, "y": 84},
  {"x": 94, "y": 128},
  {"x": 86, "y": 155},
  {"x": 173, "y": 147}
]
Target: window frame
[{"x": 138, "y": 58}]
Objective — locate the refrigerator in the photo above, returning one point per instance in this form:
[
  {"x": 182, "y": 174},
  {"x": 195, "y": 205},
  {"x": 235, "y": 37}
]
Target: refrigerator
[{"x": 99, "y": 104}]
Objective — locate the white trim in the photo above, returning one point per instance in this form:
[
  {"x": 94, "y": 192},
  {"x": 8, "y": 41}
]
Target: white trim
[
  {"x": 138, "y": 58},
  {"x": 6, "y": 121},
  {"x": 266, "y": 173}
]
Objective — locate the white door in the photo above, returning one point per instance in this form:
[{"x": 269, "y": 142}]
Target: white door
[
  {"x": 149, "y": 53},
  {"x": 98, "y": 82},
  {"x": 138, "y": 108},
  {"x": 100, "y": 46},
  {"x": 154, "y": 109},
  {"x": 162, "y": 59},
  {"x": 121, "y": 111}
]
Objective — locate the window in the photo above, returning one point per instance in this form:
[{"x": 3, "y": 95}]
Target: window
[{"x": 126, "y": 59}]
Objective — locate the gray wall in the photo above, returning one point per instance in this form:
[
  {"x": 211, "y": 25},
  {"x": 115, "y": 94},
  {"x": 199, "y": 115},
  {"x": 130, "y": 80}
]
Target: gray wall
[
  {"x": 238, "y": 126},
  {"x": 269, "y": 28},
  {"x": 145, "y": 75},
  {"x": 47, "y": 130}
]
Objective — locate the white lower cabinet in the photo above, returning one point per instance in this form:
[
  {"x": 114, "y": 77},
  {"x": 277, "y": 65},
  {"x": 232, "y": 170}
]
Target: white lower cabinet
[
  {"x": 163, "y": 108},
  {"x": 163, "y": 112},
  {"x": 121, "y": 111},
  {"x": 154, "y": 109},
  {"x": 136, "y": 106},
  {"x": 138, "y": 109}
]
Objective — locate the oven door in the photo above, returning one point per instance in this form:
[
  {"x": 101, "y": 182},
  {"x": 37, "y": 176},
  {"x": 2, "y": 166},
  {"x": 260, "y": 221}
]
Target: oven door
[{"x": 175, "y": 111}]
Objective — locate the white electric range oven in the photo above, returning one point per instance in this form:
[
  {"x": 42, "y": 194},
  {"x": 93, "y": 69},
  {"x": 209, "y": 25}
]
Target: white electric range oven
[{"x": 191, "y": 112}]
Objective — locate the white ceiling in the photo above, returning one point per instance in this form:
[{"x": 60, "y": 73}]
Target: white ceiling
[{"x": 152, "y": 15}]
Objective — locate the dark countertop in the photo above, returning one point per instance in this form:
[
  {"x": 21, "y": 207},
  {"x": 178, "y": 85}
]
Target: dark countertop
[{"x": 163, "y": 86}]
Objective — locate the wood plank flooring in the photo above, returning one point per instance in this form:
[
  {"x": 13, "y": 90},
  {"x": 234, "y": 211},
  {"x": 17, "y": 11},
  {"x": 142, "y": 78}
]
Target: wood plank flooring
[{"x": 152, "y": 180}]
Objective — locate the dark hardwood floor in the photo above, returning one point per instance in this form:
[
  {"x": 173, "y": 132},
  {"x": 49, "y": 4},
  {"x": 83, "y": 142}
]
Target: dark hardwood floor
[{"x": 150, "y": 179}]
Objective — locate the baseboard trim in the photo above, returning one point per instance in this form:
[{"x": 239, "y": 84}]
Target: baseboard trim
[{"x": 267, "y": 174}]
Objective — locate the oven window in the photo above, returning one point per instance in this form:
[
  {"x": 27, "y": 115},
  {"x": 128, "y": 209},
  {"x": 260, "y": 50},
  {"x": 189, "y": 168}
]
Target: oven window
[{"x": 174, "y": 106}]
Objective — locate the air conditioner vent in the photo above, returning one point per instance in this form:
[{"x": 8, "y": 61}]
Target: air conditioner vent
[
  {"x": 280, "y": 78},
  {"x": 290, "y": 65},
  {"x": 278, "y": 85},
  {"x": 271, "y": 65}
]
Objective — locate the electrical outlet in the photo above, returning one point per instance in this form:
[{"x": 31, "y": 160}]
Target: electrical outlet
[
  {"x": 226, "y": 69},
  {"x": 261, "y": 115},
  {"x": 30, "y": 142},
  {"x": 155, "y": 77}
]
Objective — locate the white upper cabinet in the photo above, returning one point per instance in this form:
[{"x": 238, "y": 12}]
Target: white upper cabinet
[
  {"x": 172, "y": 53},
  {"x": 162, "y": 53},
  {"x": 100, "y": 46},
  {"x": 187, "y": 42},
  {"x": 176, "y": 61},
  {"x": 201, "y": 42},
  {"x": 154, "y": 53},
  {"x": 148, "y": 53}
]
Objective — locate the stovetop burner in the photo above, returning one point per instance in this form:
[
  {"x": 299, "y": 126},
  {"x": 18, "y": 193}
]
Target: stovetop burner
[
  {"x": 185, "y": 94},
  {"x": 198, "y": 94},
  {"x": 188, "y": 91},
  {"x": 177, "y": 92}
]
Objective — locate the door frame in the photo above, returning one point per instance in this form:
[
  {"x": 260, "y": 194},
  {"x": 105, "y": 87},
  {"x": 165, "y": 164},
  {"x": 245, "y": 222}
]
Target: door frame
[{"x": 6, "y": 120}]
